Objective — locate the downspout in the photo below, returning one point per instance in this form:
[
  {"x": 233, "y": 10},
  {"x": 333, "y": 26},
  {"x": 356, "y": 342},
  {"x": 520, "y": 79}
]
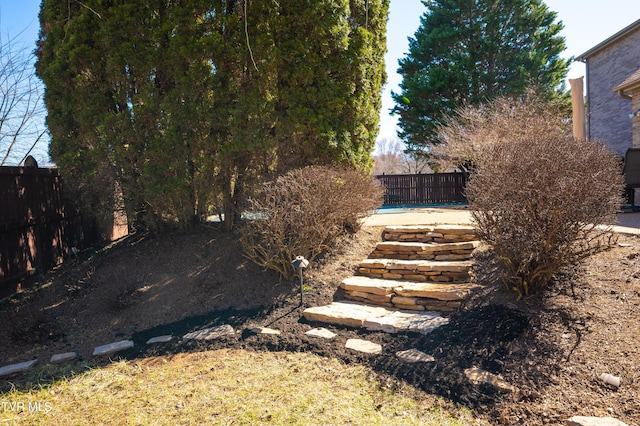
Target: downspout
[
  {"x": 588, "y": 114},
  {"x": 624, "y": 95}
]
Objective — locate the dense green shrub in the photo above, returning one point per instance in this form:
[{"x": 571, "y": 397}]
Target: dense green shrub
[{"x": 303, "y": 212}]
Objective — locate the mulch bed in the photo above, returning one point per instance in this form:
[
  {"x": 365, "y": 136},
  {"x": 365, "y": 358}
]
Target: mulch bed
[{"x": 552, "y": 348}]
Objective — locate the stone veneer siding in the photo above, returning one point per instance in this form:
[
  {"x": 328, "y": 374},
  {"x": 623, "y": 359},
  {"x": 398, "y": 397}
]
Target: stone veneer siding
[{"x": 608, "y": 113}]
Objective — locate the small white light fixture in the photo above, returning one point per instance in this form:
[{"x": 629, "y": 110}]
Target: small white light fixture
[{"x": 300, "y": 263}]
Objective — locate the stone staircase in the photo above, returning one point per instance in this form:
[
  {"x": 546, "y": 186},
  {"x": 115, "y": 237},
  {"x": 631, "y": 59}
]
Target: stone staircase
[{"x": 413, "y": 276}]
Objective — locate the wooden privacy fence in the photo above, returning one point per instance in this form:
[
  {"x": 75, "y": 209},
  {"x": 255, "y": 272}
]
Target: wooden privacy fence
[
  {"x": 36, "y": 231},
  {"x": 434, "y": 188}
]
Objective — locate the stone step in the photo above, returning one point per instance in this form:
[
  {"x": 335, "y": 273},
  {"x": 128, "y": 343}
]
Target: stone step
[
  {"x": 417, "y": 270},
  {"x": 424, "y": 251},
  {"x": 347, "y": 313},
  {"x": 404, "y": 294},
  {"x": 375, "y": 318},
  {"x": 430, "y": 234}
]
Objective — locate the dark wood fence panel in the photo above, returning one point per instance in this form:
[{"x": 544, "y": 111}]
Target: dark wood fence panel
[
  {"x": 35, "y": 232},
  {"x": 423, "y": 188}
]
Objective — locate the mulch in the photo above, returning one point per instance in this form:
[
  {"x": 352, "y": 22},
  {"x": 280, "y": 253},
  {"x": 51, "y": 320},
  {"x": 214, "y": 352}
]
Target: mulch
[{"x": 552, "y": 347}]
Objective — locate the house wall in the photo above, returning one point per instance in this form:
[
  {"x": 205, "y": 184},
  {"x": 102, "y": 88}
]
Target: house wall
[
  {"x": 608, "y": 113},
  {"x": 635, "y": 121}
]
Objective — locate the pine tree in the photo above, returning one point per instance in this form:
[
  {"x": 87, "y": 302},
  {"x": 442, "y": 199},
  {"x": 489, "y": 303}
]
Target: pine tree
[{"x": 469, "y": 51}]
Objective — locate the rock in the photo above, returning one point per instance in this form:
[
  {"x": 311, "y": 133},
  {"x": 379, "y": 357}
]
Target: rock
[
  {"x": 446, "y": 266},
  {"x": 421, "y": 322},
  {"x": 265, "y": 330},
  {"x": 112, "y": 347},
  {"x": 409, "y": 307},
  {"x": 479, "y": 376},
  {"x": 160, "y": 339},
  {"x": 64, "y": 357},
  {"x": 363, "y": 346},
  {"x": 413, "y": 355},
  {"x": 17, "y": 368},
  {"x": 449, "y": 257},
  {"x": 210, "y": 333},
  {"x": 321, "y": 332},
  {"x": 351, "y": 314},
  {"x": 374, "y": 298},
  {"x": 403, "y": 300},
  {"x": 610, "y": 379},
  {"x": 373, "y": 263},
  {"x": 456, "y": 229},
  {"x": 378, "y": 286},
  {"x": 593, "y": 421},
  {"x": 434, "y": 291}
]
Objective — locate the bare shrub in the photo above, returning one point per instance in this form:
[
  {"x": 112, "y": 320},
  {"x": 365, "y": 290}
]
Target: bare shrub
[
  {"x": 303, "y": 212},
  {"x": 540, "y": 201},
  {"x": 536, "y": 194},
  {"x": 472, "y": 129}
]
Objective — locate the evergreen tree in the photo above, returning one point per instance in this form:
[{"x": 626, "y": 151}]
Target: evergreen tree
[
  {"x": 469, "y": 51},
  {"x": 184, "y": 104},
  {"x": 332, "y": 52}
]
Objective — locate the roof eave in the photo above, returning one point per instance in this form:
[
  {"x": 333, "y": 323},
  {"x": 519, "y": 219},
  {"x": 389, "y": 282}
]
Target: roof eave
[{"x": 628, "y": 29}]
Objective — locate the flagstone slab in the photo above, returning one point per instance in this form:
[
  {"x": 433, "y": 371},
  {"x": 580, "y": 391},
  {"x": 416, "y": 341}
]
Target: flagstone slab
[
  {"x": 416, "y": 229},
  {"x": 448, "y": 229},
  {"x": 112, "y": 347},
  {"x": 392, "y": 246},
  {"x": 374, "y": 263},
  {"x": 455, "y": 229},
  {"x": 265, "y": 330},
  {"x": 362, "y": 296},
  {"x": 64, "y": 357},
  {"x": 363, "y": 346},
  {"x": 210, "y": 333},
  {"x": 321, "y": 332},
  {"x": 17, "y": 368},
  {"x": 434, "y": 290},
  {"x": 423, "y": 322},
  {"x": 593, "y": 421},
  {"x": 160, "y": 339},
  {"x": 413, "y": 356},
  {"x": 418, "y": 265},
  {"x": 361, "y": 284},
  {"x": 351, "y": 314}
]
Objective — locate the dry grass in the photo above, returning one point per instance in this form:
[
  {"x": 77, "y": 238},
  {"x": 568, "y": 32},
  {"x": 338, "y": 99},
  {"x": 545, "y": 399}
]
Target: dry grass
[{"x": 229, "y": 387}]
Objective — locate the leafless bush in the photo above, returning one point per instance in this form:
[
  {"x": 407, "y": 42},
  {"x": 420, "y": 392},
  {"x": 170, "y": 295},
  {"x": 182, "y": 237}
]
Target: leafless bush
[
  {"x": 538, "y": 199},
  {"x": 472, "y": 129},
  {"x": 536, "y": 194},
  {"x": 303, "y": 212}
]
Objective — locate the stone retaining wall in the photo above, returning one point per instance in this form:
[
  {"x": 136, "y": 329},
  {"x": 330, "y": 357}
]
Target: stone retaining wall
[
  {"x": 430, "y": 234},
  {"x": 417, "y": 270},
  {"x": 417, "y": 296},
  {"x": 424, "y": 251}
]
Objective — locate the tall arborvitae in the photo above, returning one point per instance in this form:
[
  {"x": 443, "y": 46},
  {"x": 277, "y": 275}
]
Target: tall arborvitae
[
  {"x": 185, "y": 104},
  {"x": 331, "y": 73}
]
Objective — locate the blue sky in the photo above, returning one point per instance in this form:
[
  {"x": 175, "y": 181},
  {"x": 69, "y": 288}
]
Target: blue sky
[{"x": 587, "y": 23}]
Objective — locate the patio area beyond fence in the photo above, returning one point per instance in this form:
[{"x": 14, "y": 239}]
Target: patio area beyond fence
[{"x": 437, "y": 188}]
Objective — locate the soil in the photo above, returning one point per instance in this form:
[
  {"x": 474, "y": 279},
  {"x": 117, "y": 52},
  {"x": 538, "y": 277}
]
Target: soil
[{"x": 553, "y": 348}]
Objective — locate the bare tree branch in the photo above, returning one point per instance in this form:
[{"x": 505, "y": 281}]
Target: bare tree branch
[{"x": 22, "y": 108}]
